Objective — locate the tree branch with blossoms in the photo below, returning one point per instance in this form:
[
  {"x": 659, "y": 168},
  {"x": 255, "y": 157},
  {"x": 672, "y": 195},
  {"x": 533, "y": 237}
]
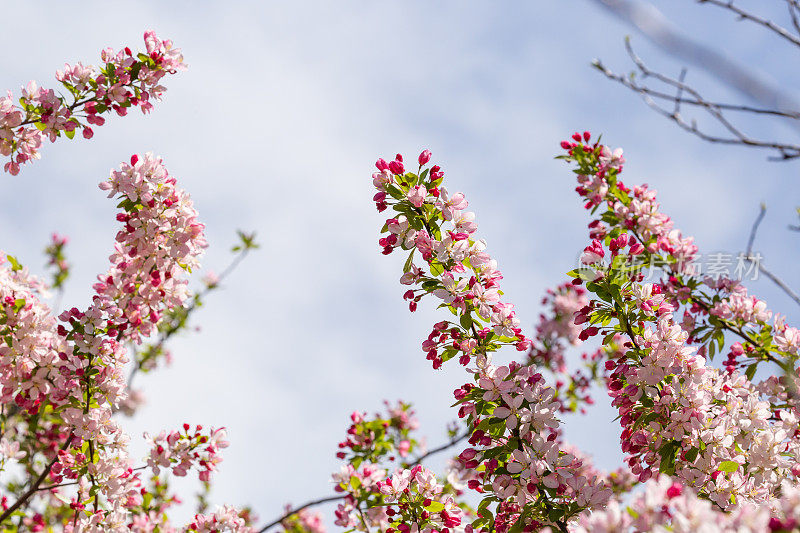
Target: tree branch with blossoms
[
  {"x": 125, "y": 80},
  {"x": 63, "y": 378},
  {"x": 176, "y": 320}
]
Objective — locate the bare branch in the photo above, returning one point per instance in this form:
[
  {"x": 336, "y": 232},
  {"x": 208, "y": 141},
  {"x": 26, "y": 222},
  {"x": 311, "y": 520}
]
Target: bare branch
[
  {"x": 746, "y": 15},
  {"x": 754, "y": 229},
  {"x": 655, "y": 27},
  {"x": 679, "y": 96},
  {"x": 441, "y": 448},
  {"x": 794, "y": 11},
  {"x": 761, "y": 268},
  {"x": 306, "y": 505},
  {"x": 631, "y": 84},
  {"x": 738, "y": 137},
  {"x": 165, "y": 335},
  {"x": 34, "y": 486},
  {"x": 434, "y": 451}
]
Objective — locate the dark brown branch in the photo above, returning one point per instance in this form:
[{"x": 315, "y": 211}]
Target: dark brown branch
[
  {"x": 328, "y": 499},
  {"x": 35, "y": 486},
  {"x": 441, "y": 448},
  {"x": 746, "y": 15},
  {"x": 300, "y": 508}
]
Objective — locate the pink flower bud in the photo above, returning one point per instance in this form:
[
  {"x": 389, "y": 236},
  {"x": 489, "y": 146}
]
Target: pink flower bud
[
  {"x": 424, "y": 157},
  {"x": 396, "y": 167}
]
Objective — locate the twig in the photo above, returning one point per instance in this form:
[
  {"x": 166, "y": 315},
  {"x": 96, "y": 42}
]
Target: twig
[
  {"x": 746, "y": 15},
  {"x": 754, "y": 229},
  {"x": 761, "y": 268},
  {"x": 787, "y": 151},
  {"x": 59, "y": 485},
  {"x": 319, "y": 501},
  {"x": 300, "y": 508},
  {"x": 441, "y": 448},
  {"x": 165, "y": 335},
  {"x": 678, "y": 96},
  {"x": 631, "y": 84},
  {"x": 794, "y": 7},
  {"x": 660, "y": 31},
  {"x": 35, "y": 486}
]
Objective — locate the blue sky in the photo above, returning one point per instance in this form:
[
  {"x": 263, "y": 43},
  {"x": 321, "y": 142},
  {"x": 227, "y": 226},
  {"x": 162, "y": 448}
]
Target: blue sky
[{"x": 275, "y": 127}]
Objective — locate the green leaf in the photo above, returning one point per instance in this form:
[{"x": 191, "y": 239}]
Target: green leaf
[
  {"x": 729, "y": 466},
  {"x": 517, "y": 527},
  {"x": 691, "y": 455},
  {"x": 70, "y": 134},
  {"x": 466, "y": 321},
  {"x": 434, "y": 507},
  {"x": 15, "y": 266},
  {"x": 409, "y": 261}
]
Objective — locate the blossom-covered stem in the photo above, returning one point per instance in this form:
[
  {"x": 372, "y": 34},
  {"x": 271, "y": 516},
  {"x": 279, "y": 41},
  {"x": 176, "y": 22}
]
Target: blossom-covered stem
[
  {"x": 728, "y": 437},
  {"x": 125, "y": 81},
  {"x": 726, "y": 324},
  {"x": 35, "y": 486},
  {"x": 247, "y": 243},
  {"x": 619, "y": 306},
  {"x": 72, "y": 483},
  {"x": 312, "y": 503}
]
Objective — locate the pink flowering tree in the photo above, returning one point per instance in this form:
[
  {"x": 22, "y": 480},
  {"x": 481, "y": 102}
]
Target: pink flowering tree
[
  {"x": 66, "y": 378},
  {"x": 708, "y": 445}
]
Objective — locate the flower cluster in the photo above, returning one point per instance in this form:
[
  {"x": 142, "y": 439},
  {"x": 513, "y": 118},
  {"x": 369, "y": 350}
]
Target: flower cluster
[
  {"x": 160, "y": 240},
  {"x": 557, "y": 330},
  {"x": 521, "y": 463},
  {"x": 516, "y": 456},
  {"x": 62, "y": 380},
  {"x": 418, "y": 502},
  {"x": 303, "y": 521},
  {"x": 226, "y": 519},
  {"x": 180, "y": 451},
  {"x": 463, "y": 277},
  {"x": 667, "y": 505},
  {"x": 378, "y": 437},
  {"x": 126, "y": 79},
  {"x": 375, "y": 445},
  {"x": 32, "y": 371},
  {"x": 362, "y": 506},
  {"x": 728, "y": 438}
]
